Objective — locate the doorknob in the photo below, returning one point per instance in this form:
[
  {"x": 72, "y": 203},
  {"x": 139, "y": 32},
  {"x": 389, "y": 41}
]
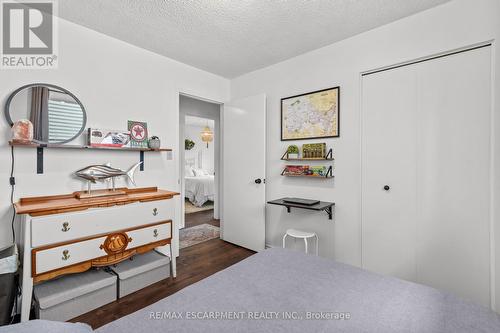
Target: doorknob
[
  {"x": 387, "y": 187},
  {"x": 258, "y": 181}
]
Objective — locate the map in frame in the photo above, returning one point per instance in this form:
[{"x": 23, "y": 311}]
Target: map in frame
[{"x": 312, "y": 115}]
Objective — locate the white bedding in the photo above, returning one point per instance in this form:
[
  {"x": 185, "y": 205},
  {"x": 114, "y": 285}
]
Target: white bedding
[{"x": 200, "y": 189}]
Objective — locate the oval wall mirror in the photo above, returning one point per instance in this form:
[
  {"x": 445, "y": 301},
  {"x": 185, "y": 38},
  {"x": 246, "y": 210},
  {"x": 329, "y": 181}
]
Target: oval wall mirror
[{"x": 57, "y": 115}]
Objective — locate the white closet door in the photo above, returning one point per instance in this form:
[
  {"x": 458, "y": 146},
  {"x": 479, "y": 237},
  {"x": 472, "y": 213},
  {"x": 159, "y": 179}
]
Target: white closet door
[
  {"x": 426, "y": 134},
  {"x": 389, "y": 159},
  {"x": 454, "y": 174}
]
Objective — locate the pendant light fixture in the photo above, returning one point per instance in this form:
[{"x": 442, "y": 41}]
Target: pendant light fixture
[{"x": 207, "y": 135}]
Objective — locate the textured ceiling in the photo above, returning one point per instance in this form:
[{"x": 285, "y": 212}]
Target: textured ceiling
[{"x": 233, "y": 37}]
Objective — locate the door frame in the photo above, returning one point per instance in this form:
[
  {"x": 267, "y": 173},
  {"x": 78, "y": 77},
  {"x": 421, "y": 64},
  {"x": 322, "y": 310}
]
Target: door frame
[
  {"x": 487, "y": 43},
  {"x": 217, "y": 158}
]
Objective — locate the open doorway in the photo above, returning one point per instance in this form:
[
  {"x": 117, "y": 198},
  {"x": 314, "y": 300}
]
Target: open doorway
[{"x": 199, "y": 122}]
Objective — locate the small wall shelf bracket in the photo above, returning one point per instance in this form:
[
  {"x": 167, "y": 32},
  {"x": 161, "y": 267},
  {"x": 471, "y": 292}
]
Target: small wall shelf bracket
[
  {"x": 141, "y": 159},
  {"x": 329, "y": 211},
  {"x": 39, "y": 160}
]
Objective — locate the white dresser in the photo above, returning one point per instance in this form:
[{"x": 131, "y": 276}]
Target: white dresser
[{"x": 65, "y": 235}]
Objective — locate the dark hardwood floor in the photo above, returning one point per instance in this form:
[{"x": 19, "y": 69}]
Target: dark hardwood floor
[
  {"x": 193, "y": 264},
  {"x": 206, "y": 216}
]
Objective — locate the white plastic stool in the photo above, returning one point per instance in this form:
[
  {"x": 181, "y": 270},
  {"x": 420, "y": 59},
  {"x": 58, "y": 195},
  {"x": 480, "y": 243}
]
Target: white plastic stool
[{"x": 301, "y": 234}]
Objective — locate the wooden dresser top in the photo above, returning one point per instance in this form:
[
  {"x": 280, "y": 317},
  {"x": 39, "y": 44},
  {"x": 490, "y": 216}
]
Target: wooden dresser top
[{"x": 56, "y": 204}]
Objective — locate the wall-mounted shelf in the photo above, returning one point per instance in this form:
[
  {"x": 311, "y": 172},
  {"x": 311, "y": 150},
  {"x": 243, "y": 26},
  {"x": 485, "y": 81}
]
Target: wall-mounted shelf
[
  {"x": 321, "y": 206},
  {"x": 40, "y": 147},
  {"x": 329, "y": 174},
  {"x": 328, "y": 157}
]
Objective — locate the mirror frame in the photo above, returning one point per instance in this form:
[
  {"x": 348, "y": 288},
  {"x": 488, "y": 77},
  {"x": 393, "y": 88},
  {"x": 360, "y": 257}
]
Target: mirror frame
[{"x": 48, "y": 85}]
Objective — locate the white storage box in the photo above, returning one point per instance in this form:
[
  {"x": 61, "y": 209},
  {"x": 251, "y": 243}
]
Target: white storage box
[
  {"x": 72, "y": 295},
  {"x": 144, "y": 270}
]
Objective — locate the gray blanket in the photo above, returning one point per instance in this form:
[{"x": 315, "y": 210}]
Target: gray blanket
[
  {"x": 46, "y": 326},
  {"x": 286, "y": 291}
]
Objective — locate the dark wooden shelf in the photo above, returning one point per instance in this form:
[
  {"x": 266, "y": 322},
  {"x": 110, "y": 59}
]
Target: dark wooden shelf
[
  {"x": 40, "y": 147},
  {"x": 329, "y": 174},
  {"x": 327, "y": 157},
  {"x": 308, "y": 159},
  {"x": 321, "y": 206},
  {"x": 310, "y": 176},
  {"x": 69, "y": 146}
]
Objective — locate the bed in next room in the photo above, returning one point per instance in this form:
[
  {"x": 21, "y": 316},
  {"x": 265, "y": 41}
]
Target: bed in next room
[{"x": 199, "y": 186}]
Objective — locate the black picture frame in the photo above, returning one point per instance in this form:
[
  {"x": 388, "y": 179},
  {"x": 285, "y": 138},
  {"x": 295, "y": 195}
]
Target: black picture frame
[{"x": 305, "y": 94}]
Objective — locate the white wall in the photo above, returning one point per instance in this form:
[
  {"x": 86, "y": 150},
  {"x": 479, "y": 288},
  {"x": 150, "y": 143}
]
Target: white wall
[
  {"x": 116, "y": 82},
  {"x": 456, "y": 24},
  {"x": 204, "y": 157}
]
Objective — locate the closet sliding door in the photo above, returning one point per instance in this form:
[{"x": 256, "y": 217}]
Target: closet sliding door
[
  {"x": 390, "y": 159},
  {"x": 443, "y": 106}
]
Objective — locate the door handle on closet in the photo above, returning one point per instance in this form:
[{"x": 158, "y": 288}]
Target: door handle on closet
[
  {"x": 387, "y": 187},
  {"x": 258, "y": 181}
]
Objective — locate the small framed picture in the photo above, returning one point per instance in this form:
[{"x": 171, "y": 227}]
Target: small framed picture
[
  {"x": 138, "y": 134},
  {"x": 313, "y": 115}
]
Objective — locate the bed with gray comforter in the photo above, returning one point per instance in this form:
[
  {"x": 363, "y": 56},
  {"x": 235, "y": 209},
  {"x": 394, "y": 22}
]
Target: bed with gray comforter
[{"x": 281, "y": 290}]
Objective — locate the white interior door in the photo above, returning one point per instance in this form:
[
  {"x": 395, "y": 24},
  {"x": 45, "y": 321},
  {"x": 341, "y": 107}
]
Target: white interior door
[
  {"x": 426, "y": 134},
  {"x": 243, "y": 168}
]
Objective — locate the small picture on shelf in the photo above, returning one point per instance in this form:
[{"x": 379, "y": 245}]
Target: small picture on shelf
[
  {"x": 108, "y": 138},
  {"x": 138, "y": 134},
  {"x": 314, "y": 150}
]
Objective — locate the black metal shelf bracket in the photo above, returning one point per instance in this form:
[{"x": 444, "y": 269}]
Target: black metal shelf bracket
[
  {"x": 141, "y": 159},
  {"x": 329, "y": 155},
  {"x": 329, "y": 211},
  {"x": 329, "y": 172},
  {"x": 39, "y": 160}
]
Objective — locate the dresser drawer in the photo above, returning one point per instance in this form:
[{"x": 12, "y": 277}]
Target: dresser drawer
[
  {"x": 48, "y": 259},
  {"x": 150, "y": 234},
  {"x": 67, "y": 255},
  {"x": 60, "y": 228}
]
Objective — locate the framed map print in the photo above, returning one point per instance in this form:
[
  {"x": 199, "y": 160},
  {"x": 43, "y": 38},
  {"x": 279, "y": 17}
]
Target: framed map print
[{"x": 312, "y": 115}]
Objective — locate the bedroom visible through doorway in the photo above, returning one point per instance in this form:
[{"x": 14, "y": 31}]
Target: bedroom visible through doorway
[{"x": 199, "y": 134}]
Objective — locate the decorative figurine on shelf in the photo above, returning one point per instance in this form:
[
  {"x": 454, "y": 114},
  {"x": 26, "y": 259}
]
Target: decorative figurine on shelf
[
  {"x": 22, "y": 131},
  {"x": 292, "y": 152},
  {"x": 154, "y": 142},
  {"x": 94, "y": 173}
]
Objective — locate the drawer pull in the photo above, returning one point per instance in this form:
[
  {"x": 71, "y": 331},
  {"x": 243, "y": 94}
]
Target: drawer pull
[
  {"x": 65, "y": 227},
  {"x": 155, "y": 233},
  {"x": 65, "y": 255},
  {"x": 155, "y": 211}
]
